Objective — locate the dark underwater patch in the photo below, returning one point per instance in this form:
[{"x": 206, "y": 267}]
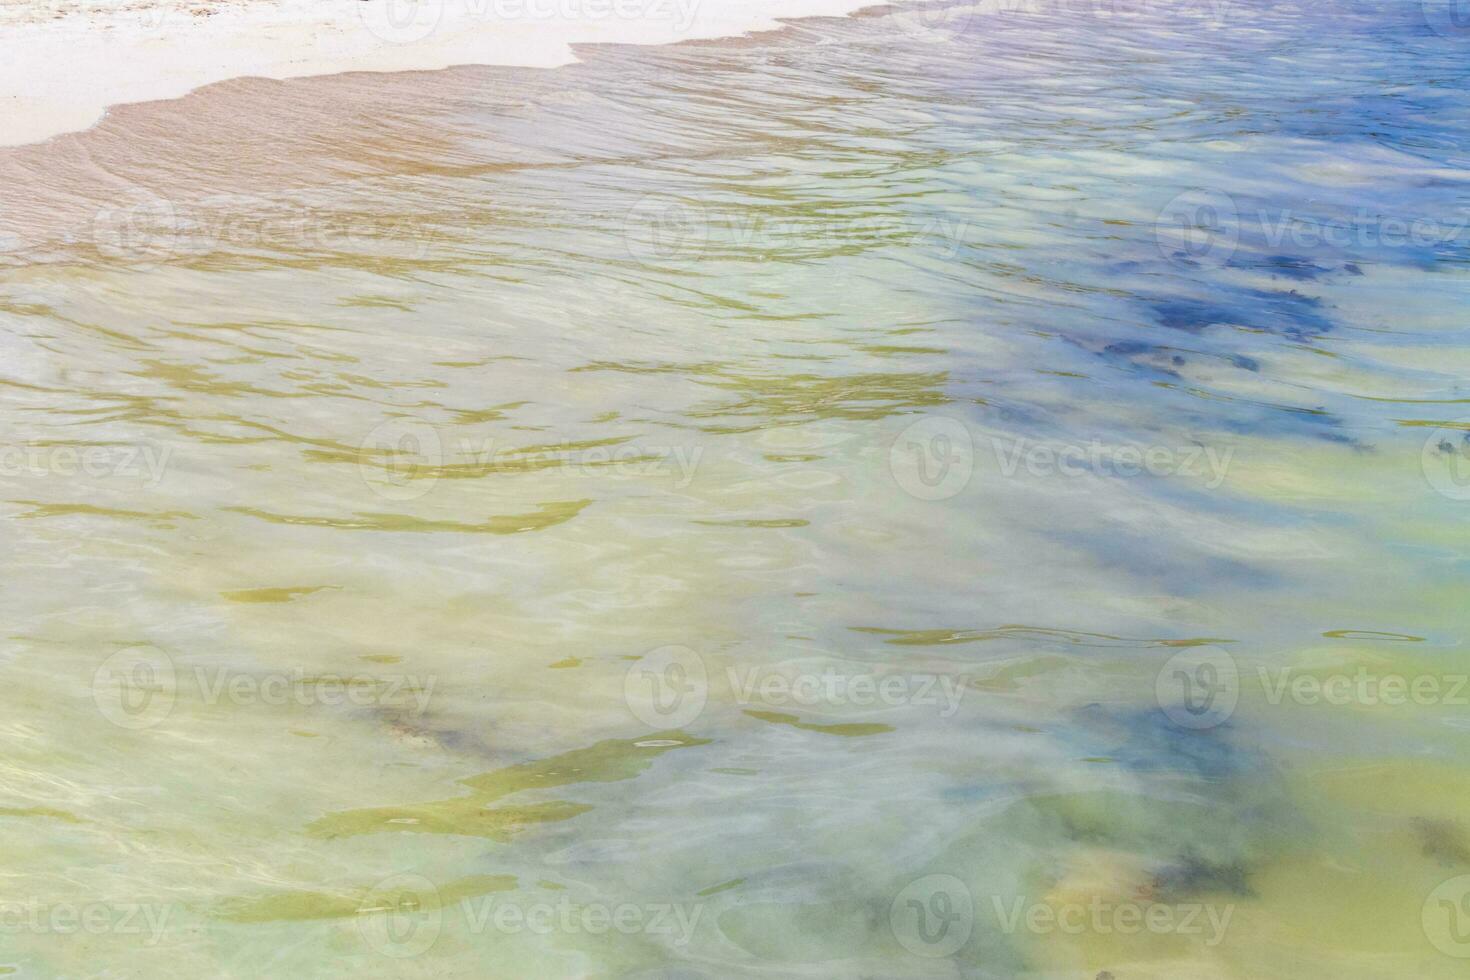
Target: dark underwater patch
[
  {"x": 1288, "y": 313},
  {"x": 1148, "y": 743},
  {"x": 1193, "y": 875},
  {"x": 1287, "y": 266}
]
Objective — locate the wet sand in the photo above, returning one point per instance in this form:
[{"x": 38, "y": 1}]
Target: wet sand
[{"x": 64, "y": 62}]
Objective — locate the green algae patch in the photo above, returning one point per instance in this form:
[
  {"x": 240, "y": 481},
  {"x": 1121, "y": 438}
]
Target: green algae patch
[
  {"x": 850, "y": 730},
  {"x": 546, "y": 515},
  {"x": 758, "y": 522},
  {"x": 467, "y": 816},
  {"x": 42, "y": 511},
  {"x": 1012, "y": 676},
  {"x": 39, "y": 811},
  {"x": 283, "y": 594},
  {"x": 943, "y": 637},
  {"x": 608, "y": 761},
  {"x": 1373, "y": 635},
  {"x": 722, "y": 887},
  {"x": 300, "y": 906},
  {"x": 1443, "y": 841}
]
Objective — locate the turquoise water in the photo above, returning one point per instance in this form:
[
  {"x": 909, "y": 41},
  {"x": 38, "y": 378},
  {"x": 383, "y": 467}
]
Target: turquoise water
[{"x": 975, "y": 493}]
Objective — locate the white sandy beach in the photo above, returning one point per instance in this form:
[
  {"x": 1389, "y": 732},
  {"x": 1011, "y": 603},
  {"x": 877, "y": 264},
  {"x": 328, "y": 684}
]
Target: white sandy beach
[{"x": 64, "y": 62}]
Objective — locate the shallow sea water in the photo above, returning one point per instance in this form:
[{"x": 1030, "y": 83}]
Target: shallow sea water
[{"x": 855, "y": 501}]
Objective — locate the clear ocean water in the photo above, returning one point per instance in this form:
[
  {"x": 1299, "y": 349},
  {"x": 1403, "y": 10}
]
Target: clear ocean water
[{"x": 976, "y": 491}]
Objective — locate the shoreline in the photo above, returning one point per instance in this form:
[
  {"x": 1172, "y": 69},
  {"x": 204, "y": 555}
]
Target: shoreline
[{"x": 65, "y": 63}]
